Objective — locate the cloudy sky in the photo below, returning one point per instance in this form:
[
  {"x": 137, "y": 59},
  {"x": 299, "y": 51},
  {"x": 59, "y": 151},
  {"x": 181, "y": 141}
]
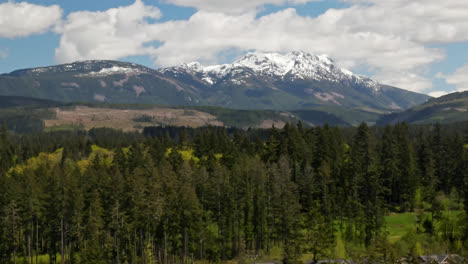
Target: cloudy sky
[{"x": 419, "y": 45}]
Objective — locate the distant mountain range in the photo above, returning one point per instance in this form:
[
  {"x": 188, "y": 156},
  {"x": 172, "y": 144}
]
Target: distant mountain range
[
  {"x": 446, "y": 109},
  {"x": 286, "y": 82},
  {"x": 290, "y": 81}
]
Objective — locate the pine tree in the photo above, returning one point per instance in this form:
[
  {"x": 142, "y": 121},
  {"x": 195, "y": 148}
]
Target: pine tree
[
  {"x": 389, "y": 167},
  {"x": 319, "y": 238},
  {"x": 288, "y": 211},
  {"x": 407, "y": 182},
  {"x": 93, "y": 251},
  {"x": 12, "y": 224},
  {"x": 440, "y": 157},
  {"x": 367, "y": 185},
  {"x": 272, "y": 146}
]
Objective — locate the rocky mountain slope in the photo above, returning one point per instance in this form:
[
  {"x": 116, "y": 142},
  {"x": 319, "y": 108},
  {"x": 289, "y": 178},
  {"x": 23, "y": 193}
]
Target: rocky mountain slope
[
  {"x": 289, "y": 67},
  {"x": 294, "y": 80}
]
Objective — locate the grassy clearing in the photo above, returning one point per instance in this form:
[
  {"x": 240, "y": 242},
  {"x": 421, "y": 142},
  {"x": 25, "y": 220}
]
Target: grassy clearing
[
  {"x": 41, "y": 259},
  {"x": 399, "y": 224}
]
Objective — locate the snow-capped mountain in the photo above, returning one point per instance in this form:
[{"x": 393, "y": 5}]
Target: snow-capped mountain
[
  {"x": 289, "y": 81},
  {"x": 293, "y": 66},
  {"x": 286, "y": 82}
]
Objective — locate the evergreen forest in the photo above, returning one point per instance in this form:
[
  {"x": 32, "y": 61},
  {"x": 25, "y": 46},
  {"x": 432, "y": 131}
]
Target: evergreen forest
[{"x": 171, "y": 195}]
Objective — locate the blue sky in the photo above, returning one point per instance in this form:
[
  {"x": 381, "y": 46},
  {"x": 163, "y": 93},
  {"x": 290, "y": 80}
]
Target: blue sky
[{"x": 419, "y": 45}]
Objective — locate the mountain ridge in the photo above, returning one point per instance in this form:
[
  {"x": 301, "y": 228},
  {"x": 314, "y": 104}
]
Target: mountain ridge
[
  {"x": 312, "y": 81},
  {"x": 274, "y": 81},
  {"x": 293, "y": 65},
  {"x": 446, "y": 109}
]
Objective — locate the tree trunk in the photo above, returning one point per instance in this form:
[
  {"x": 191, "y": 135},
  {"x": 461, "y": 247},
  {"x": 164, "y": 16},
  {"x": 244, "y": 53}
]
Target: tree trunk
[
  {"x": 165, "y": 247},
  {"x": 201, "y": 250},
  {"x": 233, "y": 240},
  {"x": 70, "y": 251},
  {"x": 62, "y": 255},
  {"x": 159, "y": 255},
  {"x": 153, "y": 250},
  {"x": 37, "y": 241},
  {"x": 142, "y": 247},
  {"x": 29, "y": 249},
  {"x": 135, "y": 258},
  {"x": 116, "y": 248},
  {"x": 185, "y": 245}
]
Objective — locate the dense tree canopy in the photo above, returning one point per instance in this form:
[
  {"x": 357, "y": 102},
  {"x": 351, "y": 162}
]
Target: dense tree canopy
[{"x": 177, "y": 195}]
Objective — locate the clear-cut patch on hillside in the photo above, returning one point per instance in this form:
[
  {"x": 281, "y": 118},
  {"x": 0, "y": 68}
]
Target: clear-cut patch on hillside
[{"x": 130, "y": 119}]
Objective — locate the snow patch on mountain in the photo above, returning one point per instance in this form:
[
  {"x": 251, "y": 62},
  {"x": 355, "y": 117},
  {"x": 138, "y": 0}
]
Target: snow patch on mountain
[
  {"x": 115, "y": 70},
  {"x": 292, "y": 66}
]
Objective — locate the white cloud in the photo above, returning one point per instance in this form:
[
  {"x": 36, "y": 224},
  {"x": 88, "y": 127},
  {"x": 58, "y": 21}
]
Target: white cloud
[
  {"x": 389, "y": 39},
  {"x": 439, "y": 93},
  {"x": 459, "y": 78},
  {"x": 200, "y": 38},
  {"x": 405, "y": 80},
  {"x": 24, "y": 19},
  {"x": 424, "y": 21},
  {"x": 233, "y": 6},
  {"x": 111, "y": 34},
  {"x": 4, "y": 53}
]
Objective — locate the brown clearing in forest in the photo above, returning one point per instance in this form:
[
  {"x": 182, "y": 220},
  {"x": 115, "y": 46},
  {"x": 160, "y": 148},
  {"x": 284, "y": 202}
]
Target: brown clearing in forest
[{"x": 124, "y": 118}]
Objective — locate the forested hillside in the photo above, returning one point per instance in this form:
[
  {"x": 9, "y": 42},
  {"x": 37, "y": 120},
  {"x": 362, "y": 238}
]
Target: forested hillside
[
  {"x": 446, "y": 109},
  {"x": 176, "y": 195}
]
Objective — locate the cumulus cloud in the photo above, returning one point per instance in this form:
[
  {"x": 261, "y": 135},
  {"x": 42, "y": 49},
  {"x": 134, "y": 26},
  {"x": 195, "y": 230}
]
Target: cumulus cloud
[
  {"x": 459, "y": 78},
  {"x": 424, "y": 21},
  {"x": 111, "y": 34},
  {"x": 24, "y": 19},
  {"x": 230, "y": 6},
  {"x": 389, "y": 39},
  {"x": 3, "y": 53},
  {"x": 286, "y": 30},
  {"x": 200, "y": 39}
]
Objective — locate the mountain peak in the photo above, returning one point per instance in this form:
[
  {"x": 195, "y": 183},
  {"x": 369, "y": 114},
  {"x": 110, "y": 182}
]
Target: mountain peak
[
  {"x": 301, "y": 65},
  {"x": 287, "y": 81},
  {"x": 287, "y": 57},
  {"x": 292, "y": 66}
]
